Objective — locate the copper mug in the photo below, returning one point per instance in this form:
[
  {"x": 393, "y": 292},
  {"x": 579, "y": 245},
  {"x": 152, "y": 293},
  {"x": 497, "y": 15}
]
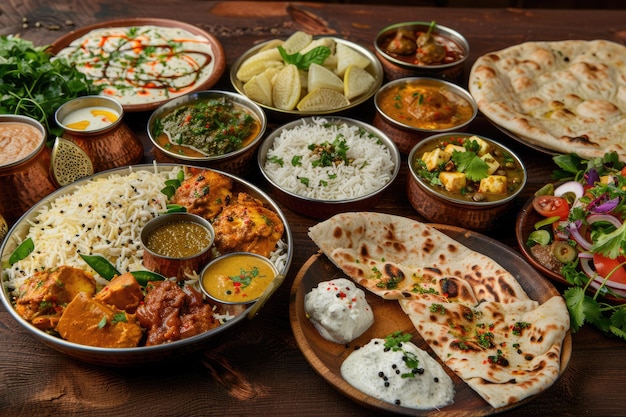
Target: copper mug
[
  {"x": 109, "y": 146},
  {"x": 24, "y": 179}
]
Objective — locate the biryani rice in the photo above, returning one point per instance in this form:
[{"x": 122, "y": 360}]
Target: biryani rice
[
  {"x": 103, "y": 216},
  {"x": 371, "y": 165}
]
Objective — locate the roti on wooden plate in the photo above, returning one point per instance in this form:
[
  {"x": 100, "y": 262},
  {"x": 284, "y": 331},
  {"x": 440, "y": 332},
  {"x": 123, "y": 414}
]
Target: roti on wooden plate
[
  {"x": 566, "y": 96},
  {"x": 472, "y": 312}
]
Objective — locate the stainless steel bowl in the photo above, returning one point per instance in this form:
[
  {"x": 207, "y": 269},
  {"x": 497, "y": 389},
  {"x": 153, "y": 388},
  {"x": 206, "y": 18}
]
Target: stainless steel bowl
[
  {"x": 237, "y": 162},
  {"x": 321, "y": 209},
  {"x": 375, "y": 69}
]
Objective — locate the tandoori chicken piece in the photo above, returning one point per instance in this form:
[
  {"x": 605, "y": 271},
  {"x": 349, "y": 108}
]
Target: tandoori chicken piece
[
  {"x": 204, "y": 194},
  {"x": 123, "y": 292},
  {"x": 87, "y": 321},
  {"x": 43, "y": 296},
  {"x": 247, "y": 226}
]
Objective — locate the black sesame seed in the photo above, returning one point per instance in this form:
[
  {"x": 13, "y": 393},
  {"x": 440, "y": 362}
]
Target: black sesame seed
[
  {"x": 398, "y": 402},
  {"x": 387, "y": 383},
  {"x": 436, "y": 379},
  {"x": 381, "y": 374}
]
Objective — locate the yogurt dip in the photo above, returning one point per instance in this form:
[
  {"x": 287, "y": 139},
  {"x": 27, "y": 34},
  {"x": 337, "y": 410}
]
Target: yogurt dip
[
  {"x": 382, "y": 373},
  {"x": 338, "y": 310}
]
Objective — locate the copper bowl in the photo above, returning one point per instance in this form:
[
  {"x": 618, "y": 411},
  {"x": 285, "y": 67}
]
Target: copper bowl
[
  {"x": 179, "y": 267},
  {"x": 317, "y": 208},
  {"x": 236, "y": 162},
  {"x": 111, "y": 146},
  {"x": 442, "y": 208},
  {"x": 25, "y": 181},
  {"x": 406, "y": 136},
  {"x": 395, "y": 67}
]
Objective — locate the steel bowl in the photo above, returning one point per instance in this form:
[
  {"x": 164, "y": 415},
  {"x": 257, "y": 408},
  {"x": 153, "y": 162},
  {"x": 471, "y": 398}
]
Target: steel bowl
[
  {"x": 437, "y": 207},
  {"x": 375, "y": 69},
  {"x": 237, "y": 162},
  {"x": 321, "y": 209}
]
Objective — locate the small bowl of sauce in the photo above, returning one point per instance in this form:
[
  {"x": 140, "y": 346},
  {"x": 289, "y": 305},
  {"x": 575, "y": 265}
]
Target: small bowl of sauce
[
  {"x": 237, "y": 278},
  {"x": 95, "y": 124},
  {"x": 177, "y": 244}
]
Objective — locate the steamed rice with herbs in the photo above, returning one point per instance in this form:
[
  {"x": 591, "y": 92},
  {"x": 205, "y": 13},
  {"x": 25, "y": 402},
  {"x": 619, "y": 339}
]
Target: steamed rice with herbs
[{"x": 329, "y": 161}]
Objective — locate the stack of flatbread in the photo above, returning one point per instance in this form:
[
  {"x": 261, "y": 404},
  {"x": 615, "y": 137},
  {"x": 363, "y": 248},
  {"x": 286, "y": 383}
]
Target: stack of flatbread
[
  {"x": 565, "y": 96},
  {"x": 472, "y": 312}
]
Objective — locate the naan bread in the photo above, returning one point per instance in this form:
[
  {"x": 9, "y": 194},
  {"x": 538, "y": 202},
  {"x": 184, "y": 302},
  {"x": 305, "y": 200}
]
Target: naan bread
[
  {"x": 567, "y": 96},
  {"x": 454, "y": 296},
  {"x": 505, "y": 352},
  {"x": 396, "y": 257}
]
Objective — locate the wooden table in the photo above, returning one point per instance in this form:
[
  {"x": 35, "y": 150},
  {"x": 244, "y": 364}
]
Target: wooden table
[{"x": 258, "y": 369}]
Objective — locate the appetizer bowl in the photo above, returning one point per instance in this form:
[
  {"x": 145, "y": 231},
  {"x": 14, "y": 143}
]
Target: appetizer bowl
[
  {"x": 230, "y": 317},
  {"x": 411, "y": 109},
  {"x": 299, "y": 135},
  {"x": 464, "y": 203},
  {"x": 177, "y": 244},
  {"x": 396, "y": 47},
  {"x": 373, "y": 68},
  {"x": 218, "y": 153}
]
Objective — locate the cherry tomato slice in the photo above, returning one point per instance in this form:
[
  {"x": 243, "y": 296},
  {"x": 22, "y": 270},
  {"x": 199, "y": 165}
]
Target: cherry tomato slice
[
  {"x": 605, "y": 265},
  {"x": 549, "y": 206}
]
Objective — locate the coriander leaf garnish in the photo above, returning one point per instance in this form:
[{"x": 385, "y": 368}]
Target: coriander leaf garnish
[
  {"x": 471, "y": 164},
  {"x": 394, "y": 342}
]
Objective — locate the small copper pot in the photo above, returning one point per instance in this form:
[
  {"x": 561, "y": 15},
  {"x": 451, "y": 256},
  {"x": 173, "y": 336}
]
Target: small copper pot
[
  {"x": 25, "y": 181},
  {"x": 167, "y": 266},
  {"x": 112, "y": 146}
]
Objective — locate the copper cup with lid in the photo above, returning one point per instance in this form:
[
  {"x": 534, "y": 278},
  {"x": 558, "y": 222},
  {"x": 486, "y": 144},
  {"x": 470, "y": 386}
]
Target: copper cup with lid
[
  {"x": 95, "y": 124},
  {"x": 24, "y": 167}
]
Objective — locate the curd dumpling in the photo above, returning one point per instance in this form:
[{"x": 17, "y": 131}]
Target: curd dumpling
[{"x": 338, "y": 310}]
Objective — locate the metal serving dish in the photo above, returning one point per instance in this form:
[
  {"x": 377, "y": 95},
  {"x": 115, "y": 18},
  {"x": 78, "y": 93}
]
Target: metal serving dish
[{"x": 143, "y": 354}]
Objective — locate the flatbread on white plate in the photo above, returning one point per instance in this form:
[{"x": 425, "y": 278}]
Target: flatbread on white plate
[
  {"x": 472, "y": 312},
  {"x": 567, "y": 96}
]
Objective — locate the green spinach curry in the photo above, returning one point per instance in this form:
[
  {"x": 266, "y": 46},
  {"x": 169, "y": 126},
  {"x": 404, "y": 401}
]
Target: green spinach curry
[{"x": 211, "y": 127}]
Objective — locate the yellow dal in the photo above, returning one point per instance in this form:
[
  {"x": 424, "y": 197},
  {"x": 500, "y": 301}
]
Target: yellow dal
[{"x": 221, "y": 279}]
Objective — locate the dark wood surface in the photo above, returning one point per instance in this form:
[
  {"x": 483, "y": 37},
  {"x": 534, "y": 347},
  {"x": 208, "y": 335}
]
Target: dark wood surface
[{"x": 258, "y": 369}]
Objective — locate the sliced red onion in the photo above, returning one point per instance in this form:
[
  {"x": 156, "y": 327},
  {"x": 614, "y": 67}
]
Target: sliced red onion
[
  {"x": 585, "y": 255},
  {"x": 593, "y": 218},
  {"x": 592, "y": 176},
  {"x": 578, "y": 237},
  {"x": 570, "y": 186}
]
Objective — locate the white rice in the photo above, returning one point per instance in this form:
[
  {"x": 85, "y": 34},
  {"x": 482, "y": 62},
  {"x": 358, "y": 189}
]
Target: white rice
[
  {"x": 372, "y": 166},
  {"x": 103, "y": 216}
]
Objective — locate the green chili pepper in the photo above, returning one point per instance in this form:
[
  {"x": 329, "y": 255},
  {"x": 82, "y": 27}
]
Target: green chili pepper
[
  {"x": 22, "y": 251},
  {"x": 546, "y": 221},
  {"x": 144, "y": 277},
  {"x": 101, "y": 265}
]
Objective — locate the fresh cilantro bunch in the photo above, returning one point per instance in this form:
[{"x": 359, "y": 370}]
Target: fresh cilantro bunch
[{"x": 31, "y": 84}]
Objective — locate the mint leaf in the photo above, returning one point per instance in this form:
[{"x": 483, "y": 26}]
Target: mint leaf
[{"x": 316, "y": 55}]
